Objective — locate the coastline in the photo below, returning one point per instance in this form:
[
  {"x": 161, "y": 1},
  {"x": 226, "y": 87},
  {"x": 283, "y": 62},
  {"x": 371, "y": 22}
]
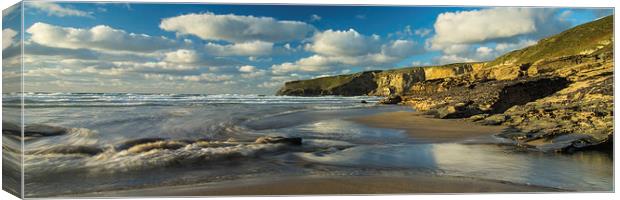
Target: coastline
[
  {"x": 350, "y": 185},
  {"x": 421, "y": 127}
]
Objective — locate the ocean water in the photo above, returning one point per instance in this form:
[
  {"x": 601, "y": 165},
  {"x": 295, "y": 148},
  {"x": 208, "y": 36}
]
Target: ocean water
[{"x": 188, "y": 139}]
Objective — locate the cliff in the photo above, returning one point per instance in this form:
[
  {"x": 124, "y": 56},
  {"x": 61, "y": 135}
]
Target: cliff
[
  {"x": 376, "y": 83},
  {"x": 557, "y": 95}
]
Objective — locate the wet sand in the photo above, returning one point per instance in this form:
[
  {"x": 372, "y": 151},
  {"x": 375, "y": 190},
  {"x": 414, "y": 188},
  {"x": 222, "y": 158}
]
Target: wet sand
[
  {"x": 332, "y": 185},
  {"x": 423, "y": 127}
]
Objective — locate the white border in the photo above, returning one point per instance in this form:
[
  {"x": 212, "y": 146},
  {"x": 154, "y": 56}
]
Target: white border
[{"x": 538, "y": 3}]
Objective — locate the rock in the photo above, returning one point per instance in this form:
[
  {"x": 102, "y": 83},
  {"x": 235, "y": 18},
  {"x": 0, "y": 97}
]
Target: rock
[
  {"x": 393, "y": 99},
  {"x": 458, "y": 110},
  {"x": 363, "y": 101},
  {"x": 478, "y": 117},
  {"x": 145, "y": 147},
  {"x": 495, "y": 119},
  {"x": 79, "y": 149},
  {"x": 33, "y": 130},
  {"x": 278, "y": 140},
  {"x": 130, "y": 143},
  {"x": 43, "y": 130}
]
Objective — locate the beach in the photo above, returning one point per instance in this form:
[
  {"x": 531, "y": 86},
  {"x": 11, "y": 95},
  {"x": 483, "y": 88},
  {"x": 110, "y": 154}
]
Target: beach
[
  {"x": 423, "y": 127},
  {"x": 334, "y": 185}
]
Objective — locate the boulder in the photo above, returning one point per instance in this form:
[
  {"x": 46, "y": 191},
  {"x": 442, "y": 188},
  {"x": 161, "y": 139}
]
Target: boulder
[
  {"x": 392, "y": 99},
  {"x": 278, "y": 140}
]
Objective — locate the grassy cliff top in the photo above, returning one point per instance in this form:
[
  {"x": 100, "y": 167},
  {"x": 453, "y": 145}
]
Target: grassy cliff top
[{"x": 574, "y": 41}]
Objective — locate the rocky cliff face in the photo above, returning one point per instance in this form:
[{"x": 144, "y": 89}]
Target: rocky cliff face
[
  {"x": 557, "y": 94},
  {"x": 376, "y": 83}
]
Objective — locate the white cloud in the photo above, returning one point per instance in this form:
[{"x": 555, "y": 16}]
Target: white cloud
[
  {"x": 505, "y": 47},
  {"x": 254, "y": 74},
  {"x": 493, "y": 25},
  {"x": 343, "y": 43},
  {"x": 53, "y": 9},
  {"x": 447, "y": 59},
  {"x": 484, "y": 51},
  {"x": 236, "y": 28},
  {"x": 247, "y": 68},
  {"x": 401, "y": 48},
  {"x": 100, "y": 37},
  {"x": 422, "y": 32},
  {"x": 344, "y": 49},
  {"x": 8, "y": 36},
  {"x": 204, "y": 78},
  {"x": 320, "y": 63},
  {"x": 193, "y": 57},
  {"x": 315, "y": 17},
  {"x": 182, "y": 56},
  {"x": 253, "y": 48},
  {"x": 465, "y": 27}
]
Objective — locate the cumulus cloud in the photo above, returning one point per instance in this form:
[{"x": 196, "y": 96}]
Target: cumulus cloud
[
  {"x": 401, "y": 48},
  {"x": 423, "y": 32},
  {"x": 320, "y": 63},
  {"x": 494, "y": 24},
  {"x": 8, "y": 36},
  {"x": 466, "y": 27},
  {"x": 447, "y": 59},
  {"x": 251, "y": 72},
  {"x": 480, "y": 35},
  {"x": 100, "y": 37},
  {"x": 236, "y": 28},
  {"x": 343, "y": 43},
  {"x": 53, "y": 9},
  {"x": 344, "y": 49},
  {"x": 190, "y": 56},
  {"x": 247, "y": 68},
  {"x": 315, "y": 17},
  {"x": 204, "y": 77},
  {"x": 253, "y": 48}
]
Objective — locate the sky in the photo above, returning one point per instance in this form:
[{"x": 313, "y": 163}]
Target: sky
[{"x": 253, "y": 49}]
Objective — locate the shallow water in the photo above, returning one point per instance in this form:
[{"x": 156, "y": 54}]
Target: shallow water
[{"x": 331, "y": 144}]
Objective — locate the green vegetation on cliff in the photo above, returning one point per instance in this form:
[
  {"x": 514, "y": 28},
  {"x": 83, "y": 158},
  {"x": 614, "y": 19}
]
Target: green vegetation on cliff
[{"x": 582, "y": 39}]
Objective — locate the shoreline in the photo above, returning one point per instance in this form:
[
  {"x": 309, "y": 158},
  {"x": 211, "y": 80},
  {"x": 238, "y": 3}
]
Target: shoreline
[
  {"x": 421, "y": 127},
  {"x": 342, "y": 185}
]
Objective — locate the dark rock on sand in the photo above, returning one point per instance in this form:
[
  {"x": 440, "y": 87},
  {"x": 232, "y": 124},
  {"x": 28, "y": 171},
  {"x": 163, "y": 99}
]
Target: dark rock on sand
[
  {"x": 33, "y": 130},
  {"x": 130, "y": 143},
  {"x": 278, "y": 140},
  {"x": 80, "y": 149},
  {"x": 392, "y": 99}
]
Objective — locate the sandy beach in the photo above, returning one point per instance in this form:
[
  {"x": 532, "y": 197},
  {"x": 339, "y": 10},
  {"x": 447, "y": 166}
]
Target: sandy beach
[
  {"x": 332, "y": 185},
  {"x": 422, "y": 127}
]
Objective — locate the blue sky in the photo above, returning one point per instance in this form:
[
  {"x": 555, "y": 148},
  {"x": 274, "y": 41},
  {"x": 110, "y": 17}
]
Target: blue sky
[{"x": 208, "y": 48}]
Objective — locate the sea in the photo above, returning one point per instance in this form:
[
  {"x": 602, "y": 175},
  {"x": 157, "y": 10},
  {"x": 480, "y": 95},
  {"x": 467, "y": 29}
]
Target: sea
[{"x": 151, "y": 140}]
